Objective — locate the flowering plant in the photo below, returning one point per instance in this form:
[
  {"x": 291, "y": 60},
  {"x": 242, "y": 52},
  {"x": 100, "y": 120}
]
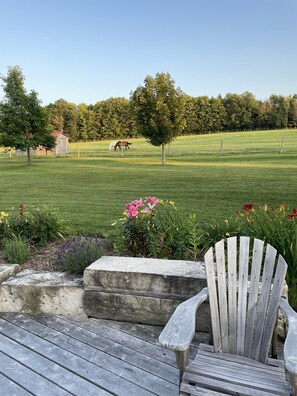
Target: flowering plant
[
  {"x": 140, "y": 207},
  {"x": 4, "y": 223},
  {"x": 78, "y": 253},
  {"x": 277, "y": 226},
  {"x": 34, "y": 225},
  {"x": 156, "y": 228}
]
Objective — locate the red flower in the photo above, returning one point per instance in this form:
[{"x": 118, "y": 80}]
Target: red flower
[
  {"x": 21, "y": 210},
  {"x": 293, "y": 215},
  {"x": 248, "y": 207}
]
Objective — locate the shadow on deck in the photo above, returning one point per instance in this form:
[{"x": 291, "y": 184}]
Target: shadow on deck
[{"x": 50, "y": 355}]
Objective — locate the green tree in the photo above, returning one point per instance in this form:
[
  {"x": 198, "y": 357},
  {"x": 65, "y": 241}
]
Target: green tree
[
  {"x": 278, "y": 117},
  {"x": 159, "y": 109},
  {"x": 114, "y": 118},
  {"x": 191, "y": 126},
  {"x": 250, "y": 111},
  {"x": 203, "y": 111},
  {"x": 24, "y": 123},
  {"x": 233, "y": 104},
  {"x": 292, "y": 112},
  {"x": 64, "y": 117},
  {"x": 217, "y": 114}
]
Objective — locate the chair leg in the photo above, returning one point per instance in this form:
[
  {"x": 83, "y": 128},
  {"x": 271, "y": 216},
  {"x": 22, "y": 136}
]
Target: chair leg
[
  {"x": 293, "y": 381},
  {"x": 182, "y": 360},
  {"x": 274, "y": 341}
]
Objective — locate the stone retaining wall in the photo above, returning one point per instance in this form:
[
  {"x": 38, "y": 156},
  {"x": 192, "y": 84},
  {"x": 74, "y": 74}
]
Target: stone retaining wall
[
  {"x": 53, "y": 293},
  {"x": 138, "y": 290},
  {"x": 142, "y": 290}
]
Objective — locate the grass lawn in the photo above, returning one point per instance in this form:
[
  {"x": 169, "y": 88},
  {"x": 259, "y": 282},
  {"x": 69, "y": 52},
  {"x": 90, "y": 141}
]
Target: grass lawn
[{"x": 89, "y": 192}]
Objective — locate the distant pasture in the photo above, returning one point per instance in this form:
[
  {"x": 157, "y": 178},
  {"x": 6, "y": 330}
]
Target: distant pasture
[{"x": 212, "y": 175}]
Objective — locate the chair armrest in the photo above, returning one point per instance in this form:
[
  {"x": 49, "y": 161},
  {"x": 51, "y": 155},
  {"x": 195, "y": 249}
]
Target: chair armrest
[
  {"x": 180, "y": 329},
  {"x": 290, "y": 347}
]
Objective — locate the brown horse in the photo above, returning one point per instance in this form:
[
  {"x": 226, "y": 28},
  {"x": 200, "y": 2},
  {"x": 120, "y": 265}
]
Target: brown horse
[{"x": 122, "y": 144}]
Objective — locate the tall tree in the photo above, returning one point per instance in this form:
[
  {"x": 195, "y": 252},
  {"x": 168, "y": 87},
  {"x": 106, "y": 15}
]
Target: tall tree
[
  {"x": 24, "y": 123},
  {"x": 114, "y": 118},
  {"x": 64, "y": 117},
  {"x": 278, "y": 117},
  {"x": 234, "y": 106},
  {"x": 159, "y": 109},
  {"x": 191, "y": 126},
  {"x": 292, "y": 112},
  {"x": 217, "y": 114},
  {"x": 250, "y": 111}
]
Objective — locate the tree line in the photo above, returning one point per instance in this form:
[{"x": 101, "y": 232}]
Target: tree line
[
  {"x": 114, "y": 117},
  {"x": 156, "y": 110}
]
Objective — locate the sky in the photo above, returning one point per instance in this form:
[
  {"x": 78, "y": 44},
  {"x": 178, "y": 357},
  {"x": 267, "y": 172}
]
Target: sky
[{"x": 85, "y": 51}]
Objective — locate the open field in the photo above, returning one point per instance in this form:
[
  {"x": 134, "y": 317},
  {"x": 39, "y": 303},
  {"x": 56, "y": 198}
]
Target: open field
[{"x": 90, "y": 192}]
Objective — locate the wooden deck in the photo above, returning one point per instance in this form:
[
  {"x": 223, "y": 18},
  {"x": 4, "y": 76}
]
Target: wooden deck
[{"x": 42, "y": 355}]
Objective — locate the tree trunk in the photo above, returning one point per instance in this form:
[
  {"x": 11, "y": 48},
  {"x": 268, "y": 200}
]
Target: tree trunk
[
  {"x": 163, "y": 155},
  {"x": 29, "y": 156}
]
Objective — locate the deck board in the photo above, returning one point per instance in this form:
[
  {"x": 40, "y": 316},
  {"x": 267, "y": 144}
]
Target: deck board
[{"x": 46, "y": 355}]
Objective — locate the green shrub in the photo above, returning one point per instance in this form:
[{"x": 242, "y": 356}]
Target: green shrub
[
  {"x": 75, "y": 255},
  {"x": 16, "y": 250},
  {"x": 36, "y": 225},
  {"x": 156, "y": 228},
  {"x": 276, "y": 226},
  {"x": 213, "y": 232}
]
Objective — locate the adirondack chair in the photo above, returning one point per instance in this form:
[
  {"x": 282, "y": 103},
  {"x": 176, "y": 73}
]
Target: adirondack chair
[{"x": 244, "y": 292}]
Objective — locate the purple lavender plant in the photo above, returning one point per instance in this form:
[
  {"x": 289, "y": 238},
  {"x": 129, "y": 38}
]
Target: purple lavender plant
[{"x": 78, "y": 253}]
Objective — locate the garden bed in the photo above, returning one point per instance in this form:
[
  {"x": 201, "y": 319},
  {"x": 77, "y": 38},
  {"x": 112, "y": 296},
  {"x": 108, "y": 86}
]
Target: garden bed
[{"x": 43, "y": 258}]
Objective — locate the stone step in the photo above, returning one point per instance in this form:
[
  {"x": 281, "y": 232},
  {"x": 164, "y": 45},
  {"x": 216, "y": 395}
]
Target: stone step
[
  {"x": 38, "y": 292},
  {"x": 8, "y": 270}
]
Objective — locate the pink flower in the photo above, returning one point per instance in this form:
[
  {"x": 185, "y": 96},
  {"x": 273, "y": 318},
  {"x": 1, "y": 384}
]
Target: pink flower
[
  {"x": 132, "y": 212},
  {"x": 152, "y": 202},
  {"x": 135, "y": 204}
]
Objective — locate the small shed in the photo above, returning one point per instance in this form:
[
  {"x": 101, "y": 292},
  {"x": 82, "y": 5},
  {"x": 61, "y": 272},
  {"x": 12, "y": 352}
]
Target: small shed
[{"x": 61, "y": 148}]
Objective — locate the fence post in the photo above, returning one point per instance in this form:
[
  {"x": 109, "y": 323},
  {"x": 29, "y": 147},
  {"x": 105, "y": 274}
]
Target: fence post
[
  {"x": 222, "y": 147},
  {"x": 282, "y": 145}
]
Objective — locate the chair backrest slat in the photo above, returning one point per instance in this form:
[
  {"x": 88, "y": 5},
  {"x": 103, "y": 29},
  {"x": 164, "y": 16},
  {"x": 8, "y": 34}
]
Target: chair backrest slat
[
  {"x": 232, "y": 292},
  {"x": 278, "y": 282},
  {"x": 263, "y": 299},
  {"x": 213, "y": 300},
  {"x": 253, "y": 295},
  {"x": 243, "y": 301},
  {"x": 222, "y": 294},
  {"x": 242, "y": 294}
]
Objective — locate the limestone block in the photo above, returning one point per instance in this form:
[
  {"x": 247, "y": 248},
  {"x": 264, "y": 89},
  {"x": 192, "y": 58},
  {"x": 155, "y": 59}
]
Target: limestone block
[
  {"x": 146, "y": 276},
  {"x": 142, "y": 290},
  {"x": 8, "y": 270},
  {"x": 42, "y": 293},
  {"x": 138, "y": 309}
]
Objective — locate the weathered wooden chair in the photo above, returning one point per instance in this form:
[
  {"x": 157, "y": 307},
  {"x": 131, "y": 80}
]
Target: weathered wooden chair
[{"x": 244, "y": 292}]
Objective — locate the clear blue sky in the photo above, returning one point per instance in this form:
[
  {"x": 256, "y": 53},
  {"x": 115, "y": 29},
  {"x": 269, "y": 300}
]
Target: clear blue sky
[{"x": 89, "y": 50}]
